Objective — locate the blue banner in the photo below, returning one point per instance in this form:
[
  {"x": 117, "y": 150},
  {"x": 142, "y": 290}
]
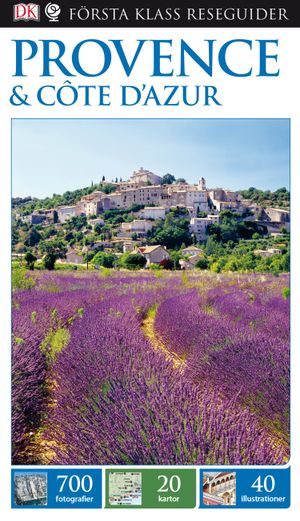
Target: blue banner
[
  {"x": 245, "y": 488},
  {"x": 57, "y": 488}
]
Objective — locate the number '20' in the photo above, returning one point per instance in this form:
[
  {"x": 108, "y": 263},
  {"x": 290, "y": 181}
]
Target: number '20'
[{"x": 173, "y": 483}]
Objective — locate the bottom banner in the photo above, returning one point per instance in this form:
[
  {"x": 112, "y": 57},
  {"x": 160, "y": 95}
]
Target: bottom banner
[
  {"x": 57, "y": 488},
  {"x": 245, "y": 488},
  {"x": 151, "y": 488}
]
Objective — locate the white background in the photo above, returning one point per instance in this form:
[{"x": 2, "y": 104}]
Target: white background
[{"x": 242, "y": 98}]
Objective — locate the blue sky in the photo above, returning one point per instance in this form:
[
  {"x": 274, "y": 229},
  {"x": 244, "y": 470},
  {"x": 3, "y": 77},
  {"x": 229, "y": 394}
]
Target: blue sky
[
  {"x": 55, "y": 155},
  {"x": 30, "y": 473}
]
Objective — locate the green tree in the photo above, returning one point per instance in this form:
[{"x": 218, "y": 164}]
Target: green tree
[
  {"x": 49, "y": 261},
  {"x": 172, "y": 237},
  {"x": 49, "y": 232},
  {"x": 168, "y": 179},
  {"x": 33, "y": 237},
  {"x": 132, "y": 261},
  {"x": 15, "y": 234},
  {"x": 78, "y": 236},
  {"x": 117, "y": 220},
  {"x": 77, "y": 222},
  {"x": 69, "y": 237},
  {"x": 214, "y": 232},
  {"x": 202, "y": 264},
  {"x": 88, "y": 240},
  {"x": 285, "y": 262},
  {"x": 213, "y": 247},
  {"x": 201, "y": 214},
  {"x": 231, "y": 265},
  {"x": 175, "y": 258},
  {"x": 283, "y": 230},
  {"x": 108, "y": 188},
  {"x": 280, "y": 198},
  {"x": 53, "y": 250},
  {"x": 88, "y": 256},
  {"x": 98, "y": 228},
  {"x": 173, "y": 231},
  {"x": 219, "y": 265},
  {"x": 256, "y": 236},
  {"x": 107, "y": 260},
  {"x": 30, "y": 260}
]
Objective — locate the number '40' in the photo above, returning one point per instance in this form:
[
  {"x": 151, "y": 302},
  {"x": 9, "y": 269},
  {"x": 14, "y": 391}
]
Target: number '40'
[{"x": 267, "y": 484}]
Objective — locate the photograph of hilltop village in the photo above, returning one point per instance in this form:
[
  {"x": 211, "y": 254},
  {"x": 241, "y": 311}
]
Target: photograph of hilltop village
[
  {"x": 151, "y": 221},
  {"x": 150, "y": 304}
]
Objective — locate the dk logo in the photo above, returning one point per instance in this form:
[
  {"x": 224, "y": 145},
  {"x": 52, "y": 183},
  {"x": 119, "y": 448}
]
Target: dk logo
[{"x": 26, "y": 12}]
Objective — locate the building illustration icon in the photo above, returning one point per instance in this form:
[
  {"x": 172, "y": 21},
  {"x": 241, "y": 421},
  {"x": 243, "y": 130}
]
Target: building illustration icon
[{"x": 219, "y": 488}]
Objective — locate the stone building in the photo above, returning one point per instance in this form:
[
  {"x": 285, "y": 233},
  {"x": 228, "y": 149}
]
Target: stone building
[
  {"x": 139, "y": 226},
  {"x": 143, "y": 176},
  {"x": 93, "y": 208},
  {"x": 219, "y": 488},
  {"x": 198, "y": 227},
  {"x": 185, "y": 195},
  {"x": 37, "y": 218},
  {"x": 144, "y": 195},
  {"x": 223, "y": 199},
  {"x": 153, "y": 212},
  {"x": 65, "y": 213},
  {"x": 94, "y": 222},
  {"x": 278, "y": 215},
  {"x": 192, "y": 250},
  {"x": 268, "y": 253},
  {"x": 154, "y": 254}
]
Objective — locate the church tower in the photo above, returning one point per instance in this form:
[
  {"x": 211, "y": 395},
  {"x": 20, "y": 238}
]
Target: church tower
[{"x": 202, "y": 184}]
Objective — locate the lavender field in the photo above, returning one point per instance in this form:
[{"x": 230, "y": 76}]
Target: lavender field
[{"x": 145, "y": 368}]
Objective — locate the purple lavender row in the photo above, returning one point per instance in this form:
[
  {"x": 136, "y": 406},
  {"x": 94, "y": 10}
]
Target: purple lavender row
[
  {"x": 120, "y": 402},
  {"x": 237, "y": 360}
]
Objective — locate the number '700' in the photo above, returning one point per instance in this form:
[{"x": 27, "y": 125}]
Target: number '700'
[{"x": 74, "y": 483}]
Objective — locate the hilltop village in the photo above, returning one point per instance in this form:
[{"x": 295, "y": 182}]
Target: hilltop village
[{"x": 152, "y": 221}]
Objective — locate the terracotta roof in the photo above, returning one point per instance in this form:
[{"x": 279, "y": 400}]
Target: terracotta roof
[{"x": 149, "y": 249}]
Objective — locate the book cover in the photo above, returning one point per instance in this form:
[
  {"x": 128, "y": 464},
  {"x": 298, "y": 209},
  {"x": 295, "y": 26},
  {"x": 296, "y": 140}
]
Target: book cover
[{"x": 148, "y": 314}]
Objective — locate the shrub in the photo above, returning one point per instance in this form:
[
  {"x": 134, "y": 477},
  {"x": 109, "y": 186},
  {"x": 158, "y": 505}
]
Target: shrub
[
  {"x": 21, "y": 279},
  {"x": 202, "y": 264},
  {"x": 132, "y": 261},
  {"x": 286, "y": 293},
  {"x": 107, "y": 260},
  {"x": 30, "y": 260}
]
